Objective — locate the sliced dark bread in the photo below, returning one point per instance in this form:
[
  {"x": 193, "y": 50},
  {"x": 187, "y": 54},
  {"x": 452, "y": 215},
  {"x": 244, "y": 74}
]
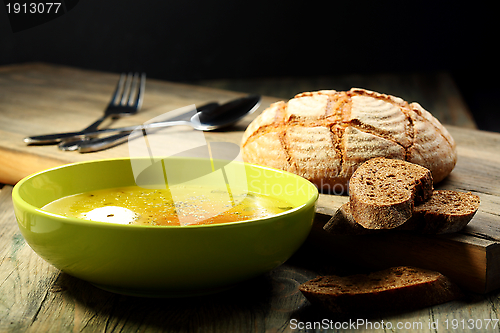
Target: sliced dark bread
[
  {"x": 384, "y": 191},
  {"x": 445, "y": 212},
  {"x": 342, "y": 223},
  {"x": 397, "y": 288}
]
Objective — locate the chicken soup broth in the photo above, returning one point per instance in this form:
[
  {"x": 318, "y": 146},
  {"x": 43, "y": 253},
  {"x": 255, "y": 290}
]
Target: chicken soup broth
[{"x": 182, "y": 205}]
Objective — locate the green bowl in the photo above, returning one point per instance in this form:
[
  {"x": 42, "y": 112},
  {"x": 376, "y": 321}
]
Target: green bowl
[{"x": 160, "y": 261}]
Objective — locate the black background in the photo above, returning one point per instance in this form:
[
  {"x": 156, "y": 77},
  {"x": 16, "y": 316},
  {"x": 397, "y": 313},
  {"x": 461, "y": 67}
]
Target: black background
[{"x": 192, "y": 40}]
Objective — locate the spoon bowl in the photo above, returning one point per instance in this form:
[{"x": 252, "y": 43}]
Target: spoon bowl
[{"x": 229, "y": 113}]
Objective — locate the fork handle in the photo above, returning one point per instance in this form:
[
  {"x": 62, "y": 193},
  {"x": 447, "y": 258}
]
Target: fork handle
[
  {"x": 95, "y": 125},
  {"x": 58, "y": 137}
]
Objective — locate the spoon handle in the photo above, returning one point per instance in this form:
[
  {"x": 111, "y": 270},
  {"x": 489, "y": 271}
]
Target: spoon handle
[
  {"x": 93, "y": 145},
  {"x": 129, "y": 129}
]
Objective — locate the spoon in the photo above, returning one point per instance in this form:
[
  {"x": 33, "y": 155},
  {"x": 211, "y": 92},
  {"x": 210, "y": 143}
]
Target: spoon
[{"x": 220, "y": 117}]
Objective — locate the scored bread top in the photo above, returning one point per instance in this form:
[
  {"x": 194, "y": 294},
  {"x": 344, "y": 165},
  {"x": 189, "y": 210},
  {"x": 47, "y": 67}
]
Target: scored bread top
[
  {"x": 324, "y": 136},
  {"x": 384, "y": 191}
]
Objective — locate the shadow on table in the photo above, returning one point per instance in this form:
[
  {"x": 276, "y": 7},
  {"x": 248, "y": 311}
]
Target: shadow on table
[
  {"x": 265, "y": 301},
  {"x": 271, "y": 301}
]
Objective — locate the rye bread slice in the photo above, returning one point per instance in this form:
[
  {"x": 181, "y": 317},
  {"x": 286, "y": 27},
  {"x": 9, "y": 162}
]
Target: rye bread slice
[
  {"x": 384, "y": 191},
  {"x": 445, "y": 212},
  {"x": 342, "y": 223},
  {"x": 397, "y": 288}
]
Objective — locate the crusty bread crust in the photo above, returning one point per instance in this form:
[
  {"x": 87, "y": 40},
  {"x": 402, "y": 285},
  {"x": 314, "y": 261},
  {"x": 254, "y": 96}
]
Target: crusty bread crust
[
  {"x": 342, "y": 223},
  {"x": 397, "y": 288},
  {"x": 324, "y": 136},
  {"x": 384, "y": 191}
]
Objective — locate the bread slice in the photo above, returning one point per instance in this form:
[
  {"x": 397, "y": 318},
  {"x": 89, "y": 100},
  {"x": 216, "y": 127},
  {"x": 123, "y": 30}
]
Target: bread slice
[
  {"x": 445, "y": 212},
  {"x": 384, "y": 191},
  {"x": 342, "y": 223},
  {"x": 397, "y": 288}
]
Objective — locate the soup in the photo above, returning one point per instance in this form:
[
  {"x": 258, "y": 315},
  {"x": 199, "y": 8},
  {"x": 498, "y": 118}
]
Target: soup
[{"x": 182, "y": 205}]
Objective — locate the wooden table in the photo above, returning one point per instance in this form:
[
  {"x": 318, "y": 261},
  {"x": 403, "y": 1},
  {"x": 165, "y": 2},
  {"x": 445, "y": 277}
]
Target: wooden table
[{"x": 37, "y": 297}]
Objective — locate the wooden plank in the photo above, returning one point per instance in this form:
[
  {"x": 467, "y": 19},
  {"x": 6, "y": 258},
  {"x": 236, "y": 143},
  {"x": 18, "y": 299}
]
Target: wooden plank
[
  {"x": 41, "y": 98},
  {"x": 23, "y": 275},
  {"x": 461, "y": 257}
]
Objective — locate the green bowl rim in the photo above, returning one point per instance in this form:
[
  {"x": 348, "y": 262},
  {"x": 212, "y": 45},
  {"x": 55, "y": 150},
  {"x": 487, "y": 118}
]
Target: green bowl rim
[{"x": 16, "y": 197}]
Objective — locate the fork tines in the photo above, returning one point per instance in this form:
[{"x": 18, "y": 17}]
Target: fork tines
[{"x": 129, "y": 90}]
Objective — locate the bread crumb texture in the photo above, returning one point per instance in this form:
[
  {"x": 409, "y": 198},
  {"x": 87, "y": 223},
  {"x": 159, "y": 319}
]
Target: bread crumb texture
[
  {"x": 384, "y": 191},
  {"x": 396, "y": 288},
  {"x": 445, "y": 212},
  {"x": 325, "y": 135}
]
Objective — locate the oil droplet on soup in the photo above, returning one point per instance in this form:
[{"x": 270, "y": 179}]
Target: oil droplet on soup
[{"x": 192, "y": 205}]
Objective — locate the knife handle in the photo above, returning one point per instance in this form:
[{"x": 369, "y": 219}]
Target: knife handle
[
  {"x": 58, "y": 137},
  {"x": 53, "y": 138}
]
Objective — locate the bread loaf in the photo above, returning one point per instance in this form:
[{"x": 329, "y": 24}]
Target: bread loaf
[
  {"x": 398, "y": 288},
  {"x": 384, "y": 191},
  {"x": 324, "y": 136}
]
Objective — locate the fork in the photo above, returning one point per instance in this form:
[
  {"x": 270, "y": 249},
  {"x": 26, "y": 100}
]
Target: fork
[{"x": 126, "y": 100}]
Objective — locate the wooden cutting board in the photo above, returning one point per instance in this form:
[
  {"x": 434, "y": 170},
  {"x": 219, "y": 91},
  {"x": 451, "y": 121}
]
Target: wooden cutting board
[{"x": 41, "y": 98}]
